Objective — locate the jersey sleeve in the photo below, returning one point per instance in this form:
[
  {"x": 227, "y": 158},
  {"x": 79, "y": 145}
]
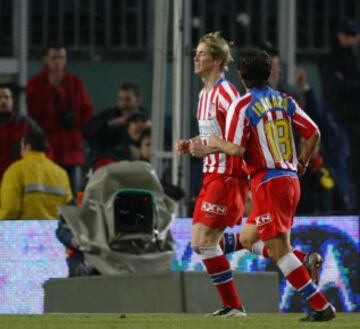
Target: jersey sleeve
[
  {"x": 227, "y": 95},
  {"x": 301, "y": 122},
  {"x": 237, "y": 124}
]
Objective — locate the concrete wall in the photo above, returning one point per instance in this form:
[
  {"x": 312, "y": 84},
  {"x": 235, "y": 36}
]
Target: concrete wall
[{"x": 173, "y": 292}]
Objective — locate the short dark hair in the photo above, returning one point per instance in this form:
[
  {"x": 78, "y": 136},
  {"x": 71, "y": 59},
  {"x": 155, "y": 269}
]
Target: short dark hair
[
  {"x": 255, "y": 67},
  {"x": 9, "y": 86},
  {"x": 137, "y": 116},
  {"x": 36, "y": 140},
  {"x": 131, "y": 86},
  {"x": 348, "y": 27}
]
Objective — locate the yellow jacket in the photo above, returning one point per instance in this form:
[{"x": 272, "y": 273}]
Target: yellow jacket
[{"x": 33, "y": 188}]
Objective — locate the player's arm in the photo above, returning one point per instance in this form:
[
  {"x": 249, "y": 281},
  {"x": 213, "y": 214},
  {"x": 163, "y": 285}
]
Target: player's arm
[
  {"x": 217, "y": 144},
  {"x": 307, "y": 129},
  {"x": 308, "y": 147}
]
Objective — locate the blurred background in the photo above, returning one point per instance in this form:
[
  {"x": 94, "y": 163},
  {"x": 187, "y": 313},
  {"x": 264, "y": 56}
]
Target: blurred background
[
  {"x": 150, "y": 43},
  {"x": 315, "y": 46}
]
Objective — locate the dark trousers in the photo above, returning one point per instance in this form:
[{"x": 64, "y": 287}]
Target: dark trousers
[
  {"x": 78, "y": 267},
  {"x": 75, "y": 174}
]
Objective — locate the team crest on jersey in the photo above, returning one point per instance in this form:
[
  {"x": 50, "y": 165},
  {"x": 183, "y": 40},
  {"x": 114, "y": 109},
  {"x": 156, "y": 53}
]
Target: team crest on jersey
[
  {"x": 213, "y": 208},
  {"x": 212, "y": 110},
  {"x": 263, "y": 219}
]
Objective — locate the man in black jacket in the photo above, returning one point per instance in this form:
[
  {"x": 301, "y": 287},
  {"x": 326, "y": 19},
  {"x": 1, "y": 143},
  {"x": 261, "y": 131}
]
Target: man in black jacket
[{"x": 108, "y": 128}]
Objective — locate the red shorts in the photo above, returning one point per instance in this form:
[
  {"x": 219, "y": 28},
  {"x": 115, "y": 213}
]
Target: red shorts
[
  {"x": 274, "y": 204},
  {"x": 221, "y": 201}
]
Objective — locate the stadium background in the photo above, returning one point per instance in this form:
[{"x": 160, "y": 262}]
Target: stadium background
[{"x": 150, "y": 43}]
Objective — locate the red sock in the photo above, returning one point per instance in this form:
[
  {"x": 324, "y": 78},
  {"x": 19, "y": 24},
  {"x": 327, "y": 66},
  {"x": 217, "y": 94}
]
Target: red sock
[
  {"x": 300, "y": 255},
  {"x": 265, "y": 252},
  {"x": 297, "y": 275},
  {"x": 221, "y": 275}
]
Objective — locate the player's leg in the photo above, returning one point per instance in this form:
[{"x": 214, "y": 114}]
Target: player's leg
[
  {"x": 211, "y": 216},
  {"x": 205, "y": 242},
  {"x": 249, "y": 239},
  {"x": 296, "y": 274},
  {"x": 280, "y": 198}
]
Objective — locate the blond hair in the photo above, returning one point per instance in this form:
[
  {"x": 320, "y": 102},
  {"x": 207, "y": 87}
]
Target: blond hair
[{"x": 219, "y": 48}]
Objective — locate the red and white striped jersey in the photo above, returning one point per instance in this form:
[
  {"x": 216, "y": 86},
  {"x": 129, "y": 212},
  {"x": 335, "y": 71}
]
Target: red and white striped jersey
[
  {"x": 263, "y": 122},
  {"x": 211, "y": 115}
]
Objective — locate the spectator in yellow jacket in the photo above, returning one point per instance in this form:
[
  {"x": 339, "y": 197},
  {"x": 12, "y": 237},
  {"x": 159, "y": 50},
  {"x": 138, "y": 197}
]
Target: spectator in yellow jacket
[{"x": 33, "y": 187}]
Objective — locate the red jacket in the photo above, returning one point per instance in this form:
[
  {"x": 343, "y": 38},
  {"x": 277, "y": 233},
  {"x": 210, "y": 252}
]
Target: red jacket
[
  {"x": 48, "y": 104},
  {"x": 11, "y": 132}
]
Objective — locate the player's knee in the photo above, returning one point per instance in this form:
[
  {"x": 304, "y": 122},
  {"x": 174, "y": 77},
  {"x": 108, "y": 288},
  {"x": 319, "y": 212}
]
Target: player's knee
[
  {"x": 204, "y": 241},
  {"x": 208, "y": 252},
  {"x": 246, "y": 242}
]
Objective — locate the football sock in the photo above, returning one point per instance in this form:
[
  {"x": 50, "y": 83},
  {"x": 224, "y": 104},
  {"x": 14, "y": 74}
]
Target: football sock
[
  {"x": 220, "y": 273},
  {"x": 297, "y": 275},
  {"x": 230, "y": 242}
]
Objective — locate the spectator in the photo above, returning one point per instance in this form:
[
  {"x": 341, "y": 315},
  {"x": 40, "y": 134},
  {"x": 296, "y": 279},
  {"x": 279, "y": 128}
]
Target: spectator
[
  {"x": 335, "y": 152},
  {"x": 173, "y": 191},
  {"x": 128, "y": 148},
  {"x": 58, "y": 101},
  {"x": 340, "y": 75},
  {"x": 106, "y": 130},
  {"x": 13, "y": 126},
  {"x": 33, "y": 187}
]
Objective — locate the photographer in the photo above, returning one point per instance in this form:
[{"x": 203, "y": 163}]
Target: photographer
[{"x": 58, "y": 101}]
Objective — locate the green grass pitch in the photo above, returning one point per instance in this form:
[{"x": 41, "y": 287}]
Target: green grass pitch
[{"x": 171, "y": 321}]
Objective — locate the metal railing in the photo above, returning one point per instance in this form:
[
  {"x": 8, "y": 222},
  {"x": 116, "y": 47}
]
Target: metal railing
[
  {"x": 81, "y": 25},
  {"x": 125, "y": 25},
  {"x": 88, "y": 24},
  {"x": 251, "y": 22}
]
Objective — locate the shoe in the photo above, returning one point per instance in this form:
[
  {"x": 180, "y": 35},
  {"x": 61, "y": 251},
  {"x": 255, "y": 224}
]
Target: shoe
[
  {"x": 318, "y": 316},
  {"x": 229, "y": 312},
  {"x": 313, "y": 262}
]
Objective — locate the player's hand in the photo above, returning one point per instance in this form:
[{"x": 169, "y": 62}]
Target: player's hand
[
  {"x": 301, "y": 169},
  {"x": 198, "y": 149},
  {"x": 182, "y": 146}
]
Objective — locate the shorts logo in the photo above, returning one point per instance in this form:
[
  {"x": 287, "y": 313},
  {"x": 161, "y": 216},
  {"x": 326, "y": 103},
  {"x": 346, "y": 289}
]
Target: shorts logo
[
  {"x": 262, "y": 219},
  {"x": 213, "y": 208}
]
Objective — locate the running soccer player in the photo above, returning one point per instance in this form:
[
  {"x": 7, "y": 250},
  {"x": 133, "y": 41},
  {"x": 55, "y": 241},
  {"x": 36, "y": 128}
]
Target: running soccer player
[
  {"x": 260, "y": 126},
  {"x": 221, "y": 200}
]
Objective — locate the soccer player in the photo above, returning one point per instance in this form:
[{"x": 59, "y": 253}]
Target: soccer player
[
  {"x": 224, "y": 187},
  {"x": 260, "y": 126}
]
